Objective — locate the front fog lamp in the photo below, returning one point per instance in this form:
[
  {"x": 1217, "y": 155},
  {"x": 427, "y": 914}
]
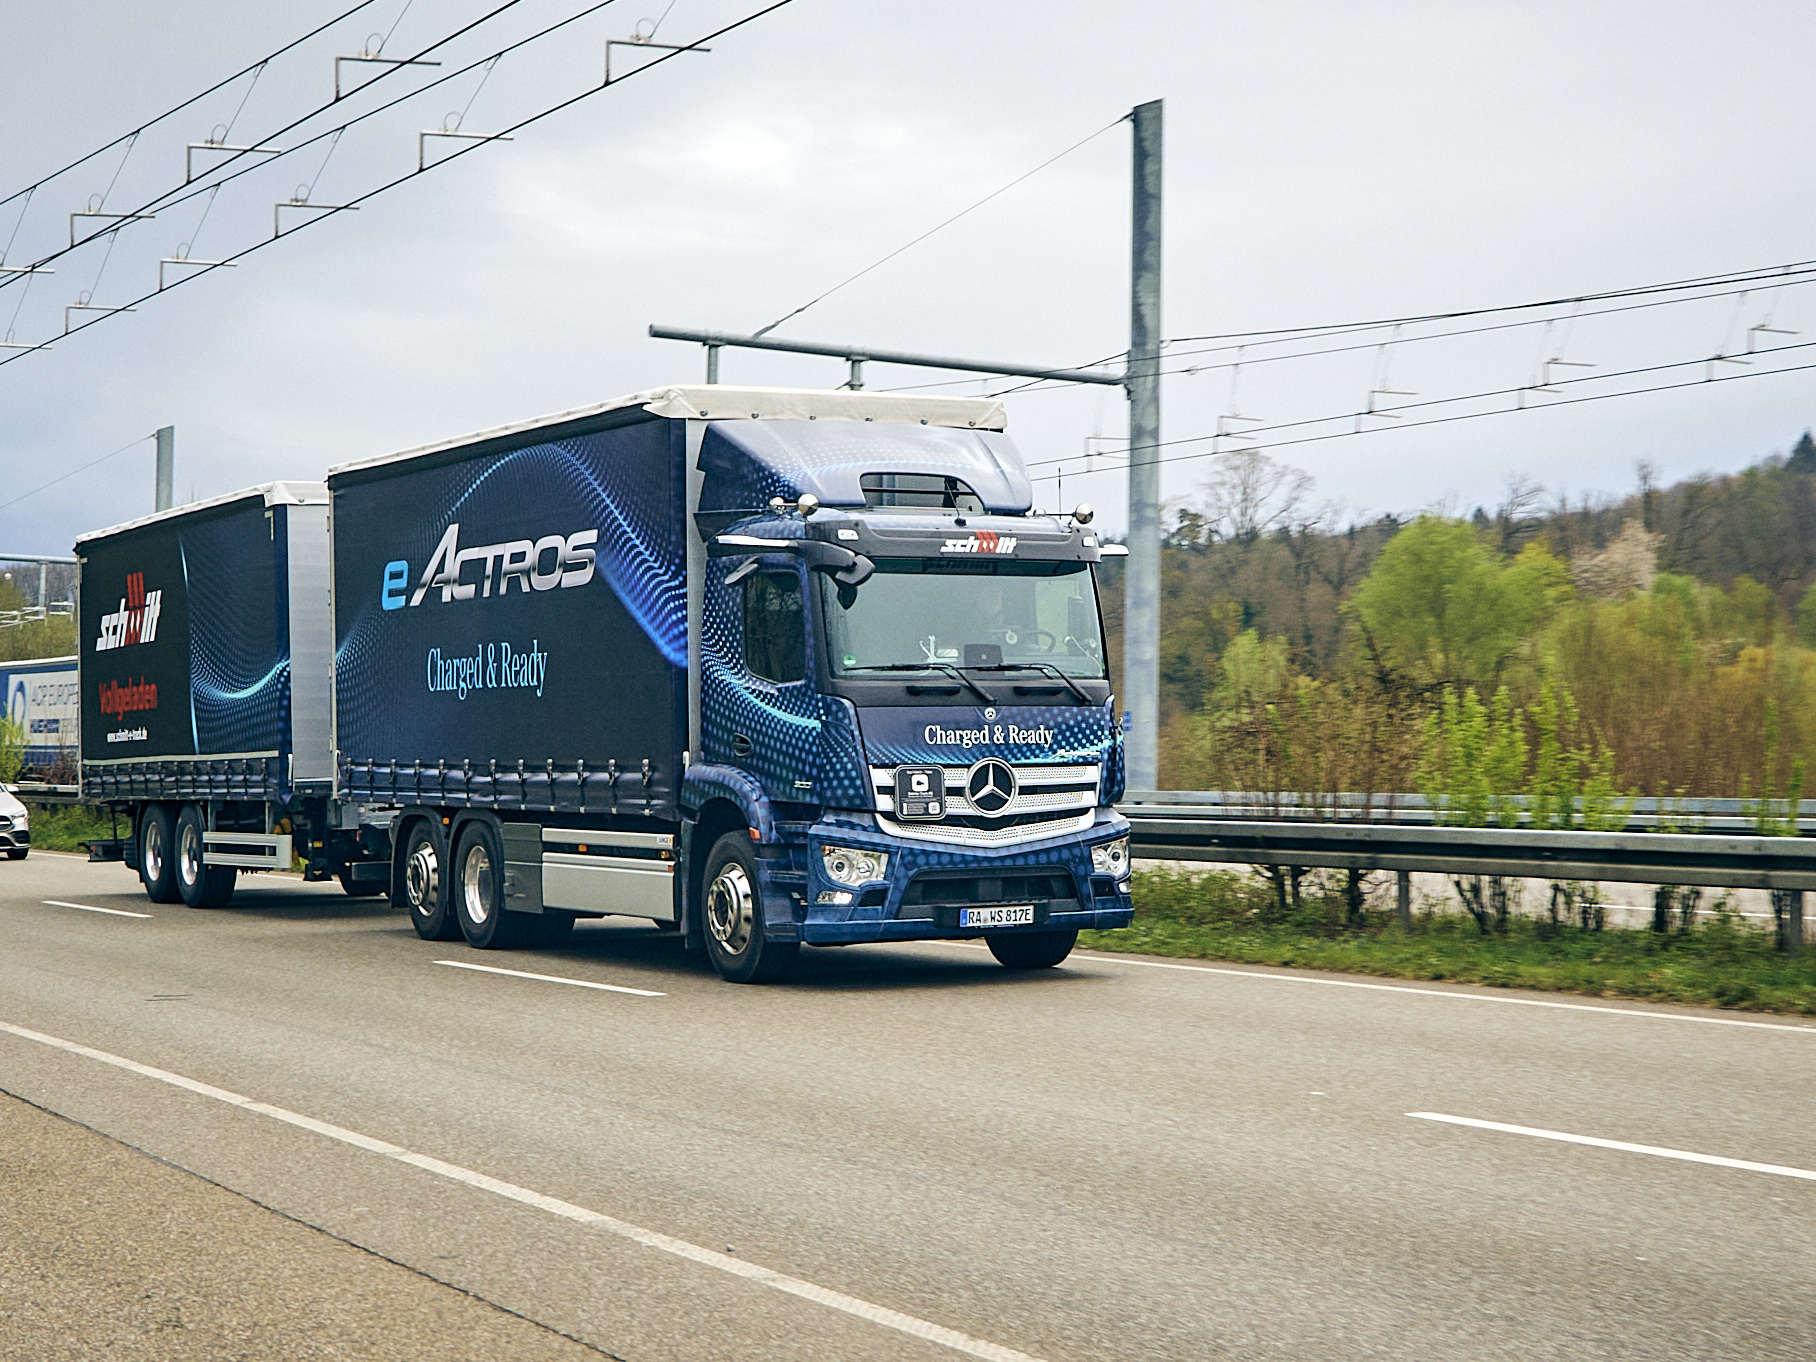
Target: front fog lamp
[
  {"x": 848, "y": 865},
  {"x": 1111, "y": 858}
]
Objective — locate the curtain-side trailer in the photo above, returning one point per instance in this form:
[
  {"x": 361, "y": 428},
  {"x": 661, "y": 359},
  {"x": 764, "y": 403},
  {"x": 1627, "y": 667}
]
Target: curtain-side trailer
[{"x": 205, "y": 650}]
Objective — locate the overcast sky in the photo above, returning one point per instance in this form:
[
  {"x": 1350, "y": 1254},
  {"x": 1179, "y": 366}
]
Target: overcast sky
[{"x": 1325, "y": 162}]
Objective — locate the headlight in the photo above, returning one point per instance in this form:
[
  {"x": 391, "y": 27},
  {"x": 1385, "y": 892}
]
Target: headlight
[
  {"x": 848, "y": 865},
  {"x": 1111, "y": 858}
]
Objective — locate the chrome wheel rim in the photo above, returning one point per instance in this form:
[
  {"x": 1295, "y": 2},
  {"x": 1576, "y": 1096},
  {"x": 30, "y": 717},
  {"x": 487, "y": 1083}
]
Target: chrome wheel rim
[
  {"x": 476, "y": 883},
  {"x": 422, "y": 878},
  {"x": 731, "y": 909},
  {"x": 189, "y": 853},
  {"x": 154, "y": 851}
]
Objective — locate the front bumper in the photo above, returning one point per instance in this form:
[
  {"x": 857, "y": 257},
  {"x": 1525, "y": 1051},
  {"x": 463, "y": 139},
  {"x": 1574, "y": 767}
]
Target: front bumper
[
  {"x": 13, "y": 836},
  {"x": 929, "y": 885}
]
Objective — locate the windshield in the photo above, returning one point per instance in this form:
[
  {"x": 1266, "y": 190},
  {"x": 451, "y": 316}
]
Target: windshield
[{"x": 917, "y": 615}]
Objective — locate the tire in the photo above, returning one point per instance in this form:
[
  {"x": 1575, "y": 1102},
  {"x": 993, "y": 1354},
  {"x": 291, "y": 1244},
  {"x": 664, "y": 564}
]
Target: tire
[
  {"x": 18, "y": 853},
  {"x": 733, "y": 917},
  {"x": 423, "y": 890},
  {"x": 199, "y": 885},
  {"x": 355, "y": 890},
  {"x": 157, "y": 849},
  {"x": 1031, "y": 950},
  {"x": 477, "y": 889}
]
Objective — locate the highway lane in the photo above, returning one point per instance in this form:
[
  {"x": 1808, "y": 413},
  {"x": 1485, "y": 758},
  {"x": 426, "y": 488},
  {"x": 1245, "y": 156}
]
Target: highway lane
[{"x": 1106, "y": 1161}]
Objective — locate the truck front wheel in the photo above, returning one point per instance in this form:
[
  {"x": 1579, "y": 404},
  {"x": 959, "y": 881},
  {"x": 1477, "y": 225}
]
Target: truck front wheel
[
  {"x": 1032, "y": 950},
  {"x": 734, "y": 917},
  {"x": 157, "y": 866},
  {"x": 423, "y": 891}
]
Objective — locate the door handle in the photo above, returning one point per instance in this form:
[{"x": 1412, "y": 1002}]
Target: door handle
[{"x": 740, "y": 745}]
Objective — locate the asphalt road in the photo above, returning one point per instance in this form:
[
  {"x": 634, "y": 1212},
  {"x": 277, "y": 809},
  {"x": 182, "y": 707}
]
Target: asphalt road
[{"x": 904, "y": 1153}]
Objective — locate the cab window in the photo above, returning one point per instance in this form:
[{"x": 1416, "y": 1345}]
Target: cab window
[{"x": 775, "y": 633}]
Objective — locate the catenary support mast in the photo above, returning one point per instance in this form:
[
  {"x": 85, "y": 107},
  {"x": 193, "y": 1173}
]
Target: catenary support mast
[{"x": 1141, "y": 616}]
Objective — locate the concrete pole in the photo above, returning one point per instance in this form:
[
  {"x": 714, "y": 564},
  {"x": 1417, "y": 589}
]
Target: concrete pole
[
  {"x": 712, "y": 364},
  {"x": 167, "y": 458},
  {"x": 1141, "y": 611}
]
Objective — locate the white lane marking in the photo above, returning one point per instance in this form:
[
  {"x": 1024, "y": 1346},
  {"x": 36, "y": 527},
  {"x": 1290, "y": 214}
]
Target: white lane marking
[
  {"x": 1746, "y": 1165},
  {"x": 911, "y": 1325},
  {"x": 551, "y": 978},
  {"x": 90, "y": 908},
  {"x": 1402, "y": 988}
]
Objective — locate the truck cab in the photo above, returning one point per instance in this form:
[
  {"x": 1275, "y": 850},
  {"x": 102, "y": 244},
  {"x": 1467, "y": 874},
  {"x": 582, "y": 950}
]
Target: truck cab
[{"x": 903, "y": 675}]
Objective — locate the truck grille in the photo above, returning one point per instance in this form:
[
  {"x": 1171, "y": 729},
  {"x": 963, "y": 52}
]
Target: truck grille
[{"x": 1051, "y": 801}]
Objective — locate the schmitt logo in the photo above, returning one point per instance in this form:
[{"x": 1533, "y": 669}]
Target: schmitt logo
[
  {"x": 984, "y": 541},
  {"x": 555, "y": 560},
  {"x": 136, "y": 621}
]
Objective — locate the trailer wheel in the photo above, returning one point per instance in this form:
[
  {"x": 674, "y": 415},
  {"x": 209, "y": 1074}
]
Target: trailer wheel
[
  {"x": 157, "y": 845},
  {"x": 1031, "y": 950},
  {"x": 424, "y": 892},
  {"x": 199, "y": 885},
  {"x": 734, "y": 917},
  {"x": 478, "y": 891}
]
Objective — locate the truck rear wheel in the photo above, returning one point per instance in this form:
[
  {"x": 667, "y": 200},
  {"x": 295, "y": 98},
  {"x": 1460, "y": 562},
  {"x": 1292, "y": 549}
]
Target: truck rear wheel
[
  {"x": 734, "y": 917},
  {"x": 157, "y": 843},
  {"x": 1031, "y": 950},
  {"x": 199, "y": 885},
  {"x": 424, "y": 893},
  {"x": 478, "y": 892}
]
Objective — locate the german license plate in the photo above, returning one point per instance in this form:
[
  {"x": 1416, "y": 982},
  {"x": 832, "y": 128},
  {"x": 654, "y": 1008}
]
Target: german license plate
[{"x": 1006, "y": 915}]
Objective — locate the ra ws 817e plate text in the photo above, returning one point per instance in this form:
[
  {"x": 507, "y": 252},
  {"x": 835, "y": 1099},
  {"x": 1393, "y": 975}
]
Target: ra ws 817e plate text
[{"x": 1003, "y": 915}]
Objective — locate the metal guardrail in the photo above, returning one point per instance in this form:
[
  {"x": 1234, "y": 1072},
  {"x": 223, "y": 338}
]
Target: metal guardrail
[
  {"x": 1413, "y": 810},
  {"x": 38, "y": 792},
  {"x": 1181, "y": 833}
]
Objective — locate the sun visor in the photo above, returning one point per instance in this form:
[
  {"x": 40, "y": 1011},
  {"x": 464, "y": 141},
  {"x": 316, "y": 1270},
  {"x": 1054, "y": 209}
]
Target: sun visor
[{"x": 747, "y": 462}]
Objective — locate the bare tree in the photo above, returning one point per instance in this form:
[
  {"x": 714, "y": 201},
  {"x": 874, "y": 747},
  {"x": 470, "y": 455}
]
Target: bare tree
[
  {"x": 1251, "y": 495},
  {"x": 1519, "y": 514}
]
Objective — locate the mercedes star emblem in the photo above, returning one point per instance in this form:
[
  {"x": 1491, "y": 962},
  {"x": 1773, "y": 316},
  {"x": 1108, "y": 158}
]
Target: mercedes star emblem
[{"x": 991, "y": 785}]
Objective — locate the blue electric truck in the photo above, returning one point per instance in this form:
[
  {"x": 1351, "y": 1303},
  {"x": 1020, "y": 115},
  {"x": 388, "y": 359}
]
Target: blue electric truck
[{"x": 767, "y": 667}]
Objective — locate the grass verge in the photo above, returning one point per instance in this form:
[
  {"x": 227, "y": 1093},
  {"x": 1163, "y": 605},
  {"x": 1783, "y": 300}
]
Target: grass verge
[
  {"x": 64, "y": 827},
  {"x": 1219, "y": 915}
]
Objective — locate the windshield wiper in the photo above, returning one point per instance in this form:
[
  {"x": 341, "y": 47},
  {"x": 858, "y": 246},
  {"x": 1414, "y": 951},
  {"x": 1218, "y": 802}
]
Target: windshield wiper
[
  {"x": 945, "y": 668},
  {"x": 1046, "y": 667}
]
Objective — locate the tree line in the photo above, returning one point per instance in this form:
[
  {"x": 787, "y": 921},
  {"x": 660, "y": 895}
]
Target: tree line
[{"x": 1660, "y": 643}]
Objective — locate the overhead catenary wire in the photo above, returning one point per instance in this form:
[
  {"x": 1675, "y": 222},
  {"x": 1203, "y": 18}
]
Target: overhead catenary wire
[
  {"x": 83, "y": 468},
  {"x": 328, "y": 212},
  {"x": 931, "y": 231},
  {"x": 195, "y": 98},
  {"x": 1760, "y": 275},
  {"x": 1438, "y": 420},
  {"x": 170, "y": 198},
  {"x": 1483, "y": 396}
]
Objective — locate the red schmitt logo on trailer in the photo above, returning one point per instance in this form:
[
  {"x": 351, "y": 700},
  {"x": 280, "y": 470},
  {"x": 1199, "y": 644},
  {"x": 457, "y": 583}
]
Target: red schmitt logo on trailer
[
  {"x": 984, "y": 541},
  {"x": 136, "y": 621}
]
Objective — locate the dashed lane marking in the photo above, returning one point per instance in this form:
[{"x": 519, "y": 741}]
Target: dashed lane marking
[
  {"x": 90, "y": 908},
  {"x": 1746, "y": 1165},
  {"x": 551, "y": 978}
]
